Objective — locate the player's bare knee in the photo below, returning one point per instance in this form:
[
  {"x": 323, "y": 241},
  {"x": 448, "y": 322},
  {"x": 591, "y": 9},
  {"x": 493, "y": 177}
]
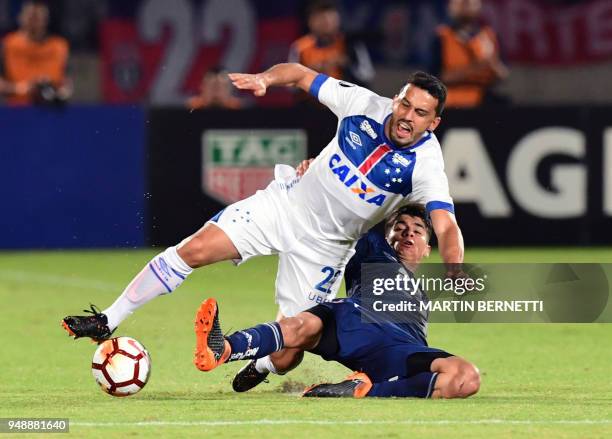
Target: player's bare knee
[
  {"x": 464, "y": 382},
  {"x": 451, "y": 388},
  {"x": 310, "y": 330},
  {"x": 471, "y": 381},
  {"x": 291, "y": 328},
  {"x": 469, "y": 388},
  {"x": 301, "y": 331},
  {"x": 193, "y": 251},
  {"x": 296, "y": 331},
  {"x": 208, "y": 245}
]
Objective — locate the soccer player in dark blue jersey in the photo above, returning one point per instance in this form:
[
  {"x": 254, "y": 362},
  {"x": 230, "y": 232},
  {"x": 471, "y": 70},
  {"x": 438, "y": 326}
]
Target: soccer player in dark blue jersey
[{"x": 390, "y": 358}]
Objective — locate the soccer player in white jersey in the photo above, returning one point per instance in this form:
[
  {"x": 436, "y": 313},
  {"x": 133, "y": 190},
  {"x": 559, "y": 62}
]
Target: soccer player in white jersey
[{"x": 384, "y": 155}]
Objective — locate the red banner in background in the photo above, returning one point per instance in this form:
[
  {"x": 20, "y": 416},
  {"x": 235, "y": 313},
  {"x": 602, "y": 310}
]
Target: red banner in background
[
  {"x": 161, "y": 56},
  {"x": 548, "y": 33},
  {"x": 158, "y": 54}
]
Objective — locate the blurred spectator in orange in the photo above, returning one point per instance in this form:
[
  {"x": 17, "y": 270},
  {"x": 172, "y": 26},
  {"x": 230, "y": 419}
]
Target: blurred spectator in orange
[
  {"x": 327, "y": 50},
  {"x": 215, "y": 92},
  {"x": 466, "y": 56},
  {"x": 33, "y": 63}
]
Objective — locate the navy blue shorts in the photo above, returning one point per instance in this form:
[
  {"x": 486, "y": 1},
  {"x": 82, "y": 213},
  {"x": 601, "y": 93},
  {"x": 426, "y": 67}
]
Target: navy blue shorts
[{"x": 382, "y": 351}]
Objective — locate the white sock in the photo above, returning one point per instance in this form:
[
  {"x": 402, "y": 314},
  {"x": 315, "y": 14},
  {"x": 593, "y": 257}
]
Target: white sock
[
  {"x": 162, "y": 275},
  {"x": 265, "y": 365}
]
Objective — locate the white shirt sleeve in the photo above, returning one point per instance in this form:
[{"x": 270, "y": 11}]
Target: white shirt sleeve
[
  {"x": 431, "y": 185},
  {"x": 341, "y": 97}
]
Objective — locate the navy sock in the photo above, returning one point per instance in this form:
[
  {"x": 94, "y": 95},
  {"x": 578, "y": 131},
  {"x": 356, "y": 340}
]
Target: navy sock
[
  {"x": 256, "y": 342},
  {"x": 420, "y": 385}
]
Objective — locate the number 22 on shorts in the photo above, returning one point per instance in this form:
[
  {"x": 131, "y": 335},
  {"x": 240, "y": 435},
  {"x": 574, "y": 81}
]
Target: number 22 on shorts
[{"x": 330, "y": 278}]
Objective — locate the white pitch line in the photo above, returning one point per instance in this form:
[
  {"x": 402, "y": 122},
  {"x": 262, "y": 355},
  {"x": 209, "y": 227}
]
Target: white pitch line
[
  {"x": 57, "y": 280},
  {"x": 345, "y": 422}
]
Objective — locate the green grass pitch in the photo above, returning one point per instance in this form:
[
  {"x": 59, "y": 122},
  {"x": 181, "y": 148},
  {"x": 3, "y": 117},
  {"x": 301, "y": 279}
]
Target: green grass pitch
[{"x": 537, "y": 380}]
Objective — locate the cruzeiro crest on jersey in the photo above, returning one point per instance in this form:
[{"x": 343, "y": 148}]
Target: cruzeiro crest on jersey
[{"x": 379, "y": 165}]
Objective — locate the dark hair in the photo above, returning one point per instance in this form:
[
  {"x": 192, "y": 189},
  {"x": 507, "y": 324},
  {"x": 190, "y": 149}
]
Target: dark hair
[
  {"x": 412, "y": 209},
  {"x": 320, "y": 6},
  {"x": 431, "y": 85}
]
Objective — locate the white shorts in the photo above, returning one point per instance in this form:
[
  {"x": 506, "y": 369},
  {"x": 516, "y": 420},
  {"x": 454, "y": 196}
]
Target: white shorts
[{"x": 310, "y": 270}]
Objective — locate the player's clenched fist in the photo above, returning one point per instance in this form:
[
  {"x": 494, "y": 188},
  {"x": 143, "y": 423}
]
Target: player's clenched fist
[{"x": 245, "y": 81}]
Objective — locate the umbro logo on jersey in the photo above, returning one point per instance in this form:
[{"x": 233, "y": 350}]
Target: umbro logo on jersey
[
  {"x": 354, "y": 183},
  {"x": 367, "y": 128},
  {"x": 398, "y": 159},
  {"x": 354, "y": 139}
]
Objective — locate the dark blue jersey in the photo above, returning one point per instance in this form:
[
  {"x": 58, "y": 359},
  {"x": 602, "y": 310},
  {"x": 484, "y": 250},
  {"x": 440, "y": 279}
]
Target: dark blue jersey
[{"x": 373, "y": 248}]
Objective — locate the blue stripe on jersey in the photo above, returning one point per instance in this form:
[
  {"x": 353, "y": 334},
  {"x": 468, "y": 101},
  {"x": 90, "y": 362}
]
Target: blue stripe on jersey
[
  {"x": 215, "y": 218},
  {"x": 316, "y": 84},
  {"x": 358, "y": 137},
  {"x": 433, "y": 205}
]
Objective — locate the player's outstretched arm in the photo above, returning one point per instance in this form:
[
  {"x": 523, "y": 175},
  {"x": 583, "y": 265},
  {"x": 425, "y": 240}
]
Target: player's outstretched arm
[
  {"x": 450, "y": 239},
  {"x": 288, "y": 74}
]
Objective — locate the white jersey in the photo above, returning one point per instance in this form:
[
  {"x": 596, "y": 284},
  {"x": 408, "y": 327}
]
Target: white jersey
[
  {"x": 361, "y": 176},
  {"x": 313, "y": 223}
]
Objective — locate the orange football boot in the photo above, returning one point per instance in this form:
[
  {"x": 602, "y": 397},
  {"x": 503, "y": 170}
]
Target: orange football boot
[{"x": 212, "y": 349}]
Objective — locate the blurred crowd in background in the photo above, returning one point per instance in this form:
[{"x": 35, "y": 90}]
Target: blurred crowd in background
[{"x": 488, "y": 52}]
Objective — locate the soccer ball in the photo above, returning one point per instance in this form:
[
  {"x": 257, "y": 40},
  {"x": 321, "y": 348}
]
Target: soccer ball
[{"x": 121, "y": 366}]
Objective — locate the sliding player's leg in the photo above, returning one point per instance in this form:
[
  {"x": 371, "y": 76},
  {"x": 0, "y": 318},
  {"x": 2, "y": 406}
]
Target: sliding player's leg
[
  {"x": 309, "y": 274},
  {"x": 388, "y": 366},
  {"x": 413, "y": 374},
  {"x": 213, "y": 348},
  {"x": 356, "y": 385},
  {"x": 456, "y": 378},
  {"x": 256, "y": 371},
  {"x": 417, "y": 386},
  {"x": 448, "y": 377},
  {"x": 396, "y": 370},
  {"x": 278, "y": 363},
  {"x": 303, "y": 332},
  {"x": 248, "y": 228}
]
